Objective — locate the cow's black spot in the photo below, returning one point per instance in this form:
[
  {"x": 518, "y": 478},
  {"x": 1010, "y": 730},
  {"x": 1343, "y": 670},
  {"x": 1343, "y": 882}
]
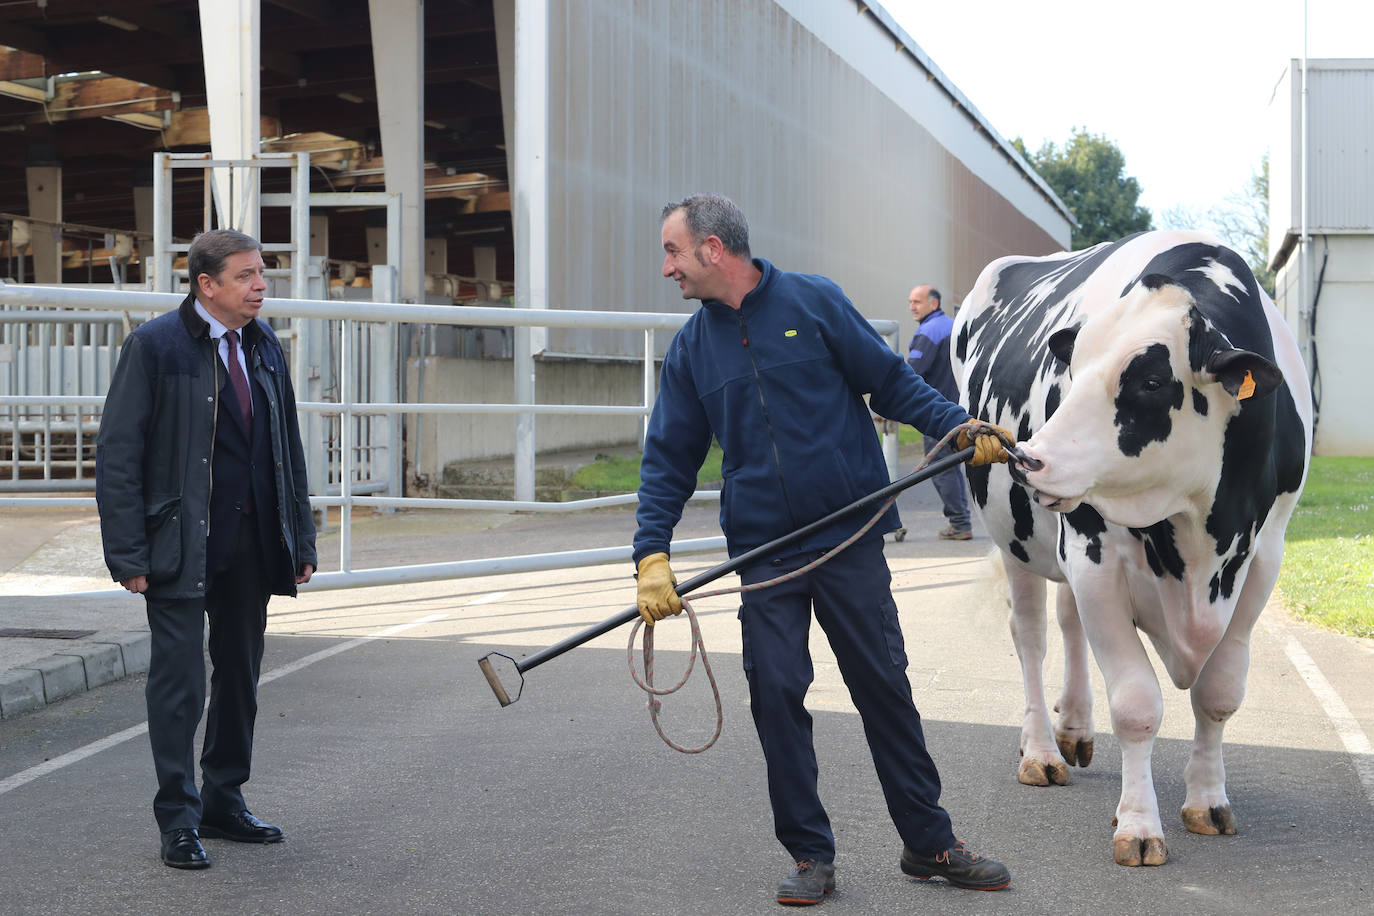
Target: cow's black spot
[
  {"x": 978, "y": 484},
  {"x": 1023, "y": 428},
  {"x": 1148, "y": 392},
  {"x": 1090, "y": 525},
  {"x": 1063, "y": 551},
  {"x": 1224, "y": 580},
  {"x": 1199, "y": 403},
  {"x": 1016, "y": 550},
  {"x": 1022, "y": 516},
  {"x": 1051, "y": 401},
  {"x": 961, "y": 343},
  {"x": 1161, "y": 551}
]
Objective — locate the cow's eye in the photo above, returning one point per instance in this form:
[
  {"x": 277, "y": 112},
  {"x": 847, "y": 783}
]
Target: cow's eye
[{"x": 1152, "y": 384}]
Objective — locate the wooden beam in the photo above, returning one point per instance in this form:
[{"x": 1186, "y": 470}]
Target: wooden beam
[
  {"x": 21, "y": 65},
  {"x": 191, "y": 127},
  {"x": 99, "y": 98}
]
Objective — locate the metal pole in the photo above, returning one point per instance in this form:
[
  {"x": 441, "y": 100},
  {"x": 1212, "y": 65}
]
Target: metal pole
[
  {"x": 648, "y": 384},
  {"x": 345, "y": 445},
  {"x": 1303, "y": 309},
  {"x": 162, "y": 226}
]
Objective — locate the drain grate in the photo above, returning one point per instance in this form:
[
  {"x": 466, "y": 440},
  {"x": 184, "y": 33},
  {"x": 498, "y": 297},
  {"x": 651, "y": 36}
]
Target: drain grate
[{"x": 31, "y": 633}]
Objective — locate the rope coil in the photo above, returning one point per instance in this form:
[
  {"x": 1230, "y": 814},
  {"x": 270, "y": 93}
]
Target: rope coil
[{"x": 646, "y": 683}]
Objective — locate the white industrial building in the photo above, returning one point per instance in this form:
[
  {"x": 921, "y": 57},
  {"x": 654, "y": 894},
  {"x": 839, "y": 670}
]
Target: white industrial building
[{"x": 1321, "y": 237}]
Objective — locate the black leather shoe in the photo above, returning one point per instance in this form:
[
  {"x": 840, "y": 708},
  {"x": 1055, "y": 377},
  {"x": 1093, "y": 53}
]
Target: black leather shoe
[
  {"x": 181, "y": 849},
  {"x": 241, "y": 827}
]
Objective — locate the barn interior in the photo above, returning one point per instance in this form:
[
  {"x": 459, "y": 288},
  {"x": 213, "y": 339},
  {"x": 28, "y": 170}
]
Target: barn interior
[{"x": 89, "y": 90}]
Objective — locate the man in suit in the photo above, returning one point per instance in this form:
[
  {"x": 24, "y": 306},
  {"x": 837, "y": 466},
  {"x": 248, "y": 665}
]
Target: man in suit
[{"x": 205, "y": 511}]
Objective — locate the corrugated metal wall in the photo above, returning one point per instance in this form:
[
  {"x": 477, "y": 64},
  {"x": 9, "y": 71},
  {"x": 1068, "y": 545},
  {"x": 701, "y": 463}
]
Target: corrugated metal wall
[
  {"x": 1340, "y": 149},
  {"x": 846, "y": 158}
]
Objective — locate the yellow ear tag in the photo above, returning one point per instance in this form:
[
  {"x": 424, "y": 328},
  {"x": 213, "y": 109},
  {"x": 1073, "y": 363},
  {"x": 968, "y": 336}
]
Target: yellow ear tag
[
  {"x": 1247, "y": 387},
  {"x": 789, "y": 333}
]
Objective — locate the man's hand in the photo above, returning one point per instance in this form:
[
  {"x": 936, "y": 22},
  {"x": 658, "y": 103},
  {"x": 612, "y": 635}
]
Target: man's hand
[
  {"x": 656, "y": 597},
  {"x": 989, "y": 442},
  {"x": 136, "y": 584},
  {"x": 306, "y": 572}
]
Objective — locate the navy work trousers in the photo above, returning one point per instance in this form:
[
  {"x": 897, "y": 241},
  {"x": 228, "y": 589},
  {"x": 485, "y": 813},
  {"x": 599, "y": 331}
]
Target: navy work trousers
[{"x": 852, "y": 599}]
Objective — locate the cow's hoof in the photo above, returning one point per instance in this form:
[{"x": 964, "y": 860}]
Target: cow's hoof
[
  {"x": 1075, "y": 750},
  {"x": 1136, "y": 851},
  {"x": 1210, "y": 821},
  {"x": 1034, "y": 772}
]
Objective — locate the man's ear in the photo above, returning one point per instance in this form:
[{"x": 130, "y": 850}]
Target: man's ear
[
  {"x": 715, "y": 249},
  {"x": 203, "y": 283}
]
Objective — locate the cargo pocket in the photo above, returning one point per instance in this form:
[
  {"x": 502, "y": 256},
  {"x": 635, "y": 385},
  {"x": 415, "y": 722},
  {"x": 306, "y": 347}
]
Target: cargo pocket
[
  {"x": 746, "y": 654},
  {"x": 892, "y": 633},
  {"x": 162, "y": 522}
]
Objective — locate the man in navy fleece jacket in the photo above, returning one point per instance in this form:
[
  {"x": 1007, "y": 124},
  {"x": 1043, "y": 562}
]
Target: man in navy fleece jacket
[{"x": 775, "y": 365}]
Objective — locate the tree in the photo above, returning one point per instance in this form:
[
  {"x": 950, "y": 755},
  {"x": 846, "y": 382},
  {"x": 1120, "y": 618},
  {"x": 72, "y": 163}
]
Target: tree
[
  {"x": 1241, "y": 220},
  {"x": 1088, "y": 174}
]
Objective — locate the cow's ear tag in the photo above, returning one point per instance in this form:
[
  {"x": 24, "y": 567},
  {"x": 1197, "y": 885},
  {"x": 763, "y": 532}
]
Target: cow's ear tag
[{"x": 1247, "y": 387}]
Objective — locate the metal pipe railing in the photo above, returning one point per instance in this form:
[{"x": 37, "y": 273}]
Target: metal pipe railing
[{"x": 89, "y": 303}]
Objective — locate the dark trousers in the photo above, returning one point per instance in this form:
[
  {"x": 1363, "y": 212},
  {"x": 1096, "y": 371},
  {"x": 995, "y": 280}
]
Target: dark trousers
[
  {"x": 949, "y": 485},
  {"x": 852, "y": 599},
  {"x": 236, "y": 604}
]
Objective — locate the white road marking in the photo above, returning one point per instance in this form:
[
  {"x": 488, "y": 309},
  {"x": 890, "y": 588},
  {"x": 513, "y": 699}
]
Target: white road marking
[
  {"x": 1347, "y": 726},
  {"x": 23, "y": 777},
  {"x": 487, "y": 599}
]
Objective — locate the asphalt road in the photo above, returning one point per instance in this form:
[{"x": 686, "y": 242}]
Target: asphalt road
[{"x": 404, "y": 788}]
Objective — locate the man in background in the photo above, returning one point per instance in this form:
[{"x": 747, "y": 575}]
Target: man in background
[{"x": 929, "y": 356}]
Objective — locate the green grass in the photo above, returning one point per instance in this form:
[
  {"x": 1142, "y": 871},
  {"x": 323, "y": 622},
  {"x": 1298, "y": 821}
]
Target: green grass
[
  {"x": 611, "y": 473},
  {"x": 1328, "y": 561}
]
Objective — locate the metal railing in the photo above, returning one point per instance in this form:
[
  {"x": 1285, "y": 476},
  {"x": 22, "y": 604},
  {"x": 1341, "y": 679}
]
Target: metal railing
[{"x": 86, "y": 302}]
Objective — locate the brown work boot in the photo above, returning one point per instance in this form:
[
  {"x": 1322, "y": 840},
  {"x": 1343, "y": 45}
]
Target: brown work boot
[
  {"x": 958, "y": 865},
  {"x": 950, "y": 533}
]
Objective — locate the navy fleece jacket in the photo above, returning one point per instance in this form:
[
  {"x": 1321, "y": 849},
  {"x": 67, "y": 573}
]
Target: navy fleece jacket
[{"x": 780, "y": 385}]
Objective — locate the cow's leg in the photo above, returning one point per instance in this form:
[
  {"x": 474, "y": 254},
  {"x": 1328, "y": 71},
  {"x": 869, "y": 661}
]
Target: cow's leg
[
  {"x": 1041, "y": 762},
  {"x": 1137, "y": 709},
  {"x": 1074, "y": 732},
  {"x": 1216, "y": 695}
]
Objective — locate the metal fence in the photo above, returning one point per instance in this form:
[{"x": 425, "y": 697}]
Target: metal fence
[{"x": 363, "y": 458}]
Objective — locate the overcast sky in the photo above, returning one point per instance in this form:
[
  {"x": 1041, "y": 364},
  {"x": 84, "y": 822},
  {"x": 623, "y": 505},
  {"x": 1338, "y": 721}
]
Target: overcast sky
[{"x": 1183, "y": 87}]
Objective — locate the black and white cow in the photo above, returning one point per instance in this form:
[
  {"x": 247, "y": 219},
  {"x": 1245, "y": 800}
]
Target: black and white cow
[{"x": 1166, "y": 420}]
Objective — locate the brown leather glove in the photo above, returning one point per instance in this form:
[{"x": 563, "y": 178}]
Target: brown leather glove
[
  {"x": 656, "y": 597},
  {"x": 989, "y": 442}
]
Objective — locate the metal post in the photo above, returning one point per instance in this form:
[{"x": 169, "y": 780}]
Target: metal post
[
  {"x": 345, "y": 445},
  {"x": 162, "y": 226},
  {"x": 300, "y": 228},
  {"x": 648, "y": 385}
]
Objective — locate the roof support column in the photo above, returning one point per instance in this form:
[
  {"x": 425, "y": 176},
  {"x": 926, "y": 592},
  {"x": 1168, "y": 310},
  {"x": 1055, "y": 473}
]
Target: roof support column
[
  {"x": 229, "y": 38},
  {"x": 398, "y": 54},
  {"x": 522, "y": 45},
  {"x": 45, "y": 203}
]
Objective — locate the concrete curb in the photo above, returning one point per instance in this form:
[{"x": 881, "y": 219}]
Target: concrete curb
[{"x": 98, "y": 660}]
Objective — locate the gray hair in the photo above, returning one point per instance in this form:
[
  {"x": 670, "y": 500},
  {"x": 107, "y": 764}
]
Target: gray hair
[
  {"x": 713, "y": 214},
  {"x": 209, "y": 250},
  {"x": 934, "y": 294}
]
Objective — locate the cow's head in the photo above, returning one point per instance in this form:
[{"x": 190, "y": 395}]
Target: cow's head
[{"x": 1152, "y": 386}]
